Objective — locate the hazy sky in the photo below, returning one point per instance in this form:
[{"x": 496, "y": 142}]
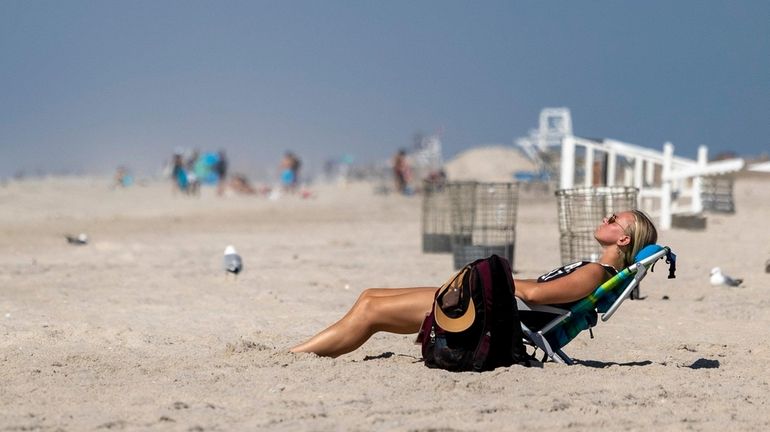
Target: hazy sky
[{"x": 88, "y": 85}]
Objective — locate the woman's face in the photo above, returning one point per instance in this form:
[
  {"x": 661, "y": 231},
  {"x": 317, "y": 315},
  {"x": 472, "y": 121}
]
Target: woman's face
[{"x": 614, "y": 227}]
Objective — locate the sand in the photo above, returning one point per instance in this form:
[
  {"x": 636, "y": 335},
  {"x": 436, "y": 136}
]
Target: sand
[{"x": 140, "y": 329}]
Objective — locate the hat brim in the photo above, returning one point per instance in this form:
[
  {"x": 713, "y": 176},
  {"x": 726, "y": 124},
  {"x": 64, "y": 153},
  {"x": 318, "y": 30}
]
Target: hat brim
[{"x": 454, "y": 325}]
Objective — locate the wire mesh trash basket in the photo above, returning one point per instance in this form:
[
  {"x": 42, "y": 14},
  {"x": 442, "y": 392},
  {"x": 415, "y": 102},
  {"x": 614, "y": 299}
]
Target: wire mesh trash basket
[
  {"x": 436, "y": 229},
  {"x": 717, "y": 194},
  {"x": 483, "y": 220},
  {"x": 581, "y": 210}
]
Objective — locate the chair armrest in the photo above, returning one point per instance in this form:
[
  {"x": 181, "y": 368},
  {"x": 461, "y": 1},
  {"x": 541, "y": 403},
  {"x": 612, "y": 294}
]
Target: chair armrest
[
  {"x": 523, "y": 305},
  {"x": 559, "y": 314}
]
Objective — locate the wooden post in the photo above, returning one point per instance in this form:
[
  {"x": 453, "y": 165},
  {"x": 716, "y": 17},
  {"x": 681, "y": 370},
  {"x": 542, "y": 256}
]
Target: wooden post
[
  {"x": 567, "y": 180},
  {"x": 612, "y": 158},
  {"x": 665, "y": 197},
  {"x": 589, "y": 167},
  {"x": 697, "y": 182},
  {"x": 638, "y": 183}
]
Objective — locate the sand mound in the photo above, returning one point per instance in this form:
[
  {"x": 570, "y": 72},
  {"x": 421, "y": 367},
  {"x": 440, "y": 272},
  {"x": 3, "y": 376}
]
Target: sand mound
[{"x": 489, "y": 163}]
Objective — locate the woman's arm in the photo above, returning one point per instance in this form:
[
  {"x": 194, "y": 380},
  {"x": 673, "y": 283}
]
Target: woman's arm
[{"x": 569, "y": 288}]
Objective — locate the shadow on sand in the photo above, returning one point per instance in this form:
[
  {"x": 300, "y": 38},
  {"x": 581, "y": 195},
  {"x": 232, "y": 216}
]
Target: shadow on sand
[
  {"x": 703, "y": 363},
  {"x": 601, "y": 365},
  {"x": 384, "y": 355}
]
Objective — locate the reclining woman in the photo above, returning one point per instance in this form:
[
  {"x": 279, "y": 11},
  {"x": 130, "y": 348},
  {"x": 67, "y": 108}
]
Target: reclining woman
[{"x": 402, "y": 310}]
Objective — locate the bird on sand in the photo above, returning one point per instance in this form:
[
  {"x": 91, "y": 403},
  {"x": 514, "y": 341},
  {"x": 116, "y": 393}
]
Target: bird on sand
[
  {"x": 719, "y": 278},
  {"x": 232, "y": 261}
]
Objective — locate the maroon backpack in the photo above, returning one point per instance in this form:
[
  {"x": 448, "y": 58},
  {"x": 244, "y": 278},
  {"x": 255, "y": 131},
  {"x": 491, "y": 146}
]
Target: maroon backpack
[{"x": 474, "y": 323}]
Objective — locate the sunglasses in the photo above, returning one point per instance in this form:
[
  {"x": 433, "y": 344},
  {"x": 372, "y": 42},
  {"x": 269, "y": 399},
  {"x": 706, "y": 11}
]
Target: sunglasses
[{"x": 613, "y": 219}]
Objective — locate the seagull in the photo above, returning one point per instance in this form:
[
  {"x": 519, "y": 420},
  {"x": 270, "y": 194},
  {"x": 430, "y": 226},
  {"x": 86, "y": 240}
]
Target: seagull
[
  {"x": 718, "y": 278},
  {"x": 80, "y": 239},
  {"x": 232, "y": 261}
]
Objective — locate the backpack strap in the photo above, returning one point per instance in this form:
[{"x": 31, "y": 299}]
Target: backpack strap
[{"x": 483, "y": 275}]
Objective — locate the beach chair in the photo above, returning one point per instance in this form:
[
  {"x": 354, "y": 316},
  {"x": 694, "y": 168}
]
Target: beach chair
[{"x": 550, "y": 328}]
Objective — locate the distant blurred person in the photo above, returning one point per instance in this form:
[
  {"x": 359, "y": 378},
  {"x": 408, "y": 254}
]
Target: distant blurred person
[
  {"x": 220, "y": 168},
  {"x": 193, "y": 183},
  {"x": 402, "y": 172},
  {"x": 178, "y": 174},
  {"x": 295, "y": 166},
  {"x": 123, "y": 178},
  {"x": 290, "y": 165}
]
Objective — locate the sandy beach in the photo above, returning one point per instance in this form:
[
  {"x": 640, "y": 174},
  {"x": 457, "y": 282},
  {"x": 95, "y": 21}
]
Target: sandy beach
[{"x": 141, "y": 330}]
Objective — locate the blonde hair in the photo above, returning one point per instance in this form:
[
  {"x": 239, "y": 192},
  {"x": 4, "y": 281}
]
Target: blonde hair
[{"x": 642, "y": 233}]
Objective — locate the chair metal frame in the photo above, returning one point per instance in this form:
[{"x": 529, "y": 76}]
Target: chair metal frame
[{"x": 537, "y": 337}]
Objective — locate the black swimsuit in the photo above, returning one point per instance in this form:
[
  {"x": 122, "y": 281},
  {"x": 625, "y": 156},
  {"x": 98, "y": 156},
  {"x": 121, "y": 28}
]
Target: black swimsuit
[
  {"x": 538, "y": 318},
  {"x": 569, "y": 268}
]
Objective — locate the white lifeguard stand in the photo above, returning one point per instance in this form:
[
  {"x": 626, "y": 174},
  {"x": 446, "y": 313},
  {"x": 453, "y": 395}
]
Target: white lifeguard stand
[
  {"x": 665, "y": 181},
  {"x": 426, "y": 157},
  {"x": 428, "y": 154}
]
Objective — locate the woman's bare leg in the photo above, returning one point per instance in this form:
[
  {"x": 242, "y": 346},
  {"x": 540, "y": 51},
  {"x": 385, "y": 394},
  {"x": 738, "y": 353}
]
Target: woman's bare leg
[{"x": 395, "y": 310}]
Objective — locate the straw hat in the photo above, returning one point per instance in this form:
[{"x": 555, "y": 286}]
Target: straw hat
[{"x": 458, "y": 311}]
